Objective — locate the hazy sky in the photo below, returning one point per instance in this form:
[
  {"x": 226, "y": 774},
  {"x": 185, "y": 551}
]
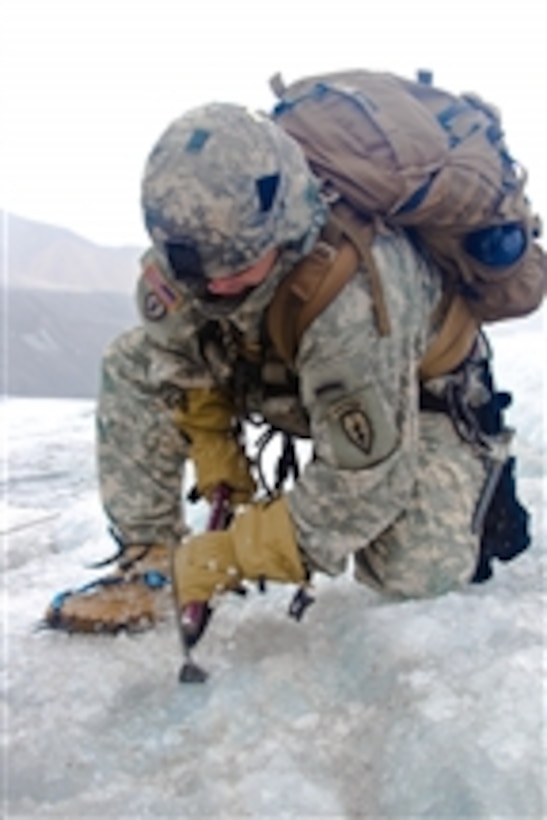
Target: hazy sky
[{"x": 86, "y": 88}]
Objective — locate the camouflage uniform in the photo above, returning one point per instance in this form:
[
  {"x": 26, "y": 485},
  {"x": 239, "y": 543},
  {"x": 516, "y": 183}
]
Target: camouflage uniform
[{"x": 389, "y": 484}]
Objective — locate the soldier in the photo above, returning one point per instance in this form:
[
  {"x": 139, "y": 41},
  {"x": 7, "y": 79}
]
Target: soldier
[{"x": 232, "y": 208}]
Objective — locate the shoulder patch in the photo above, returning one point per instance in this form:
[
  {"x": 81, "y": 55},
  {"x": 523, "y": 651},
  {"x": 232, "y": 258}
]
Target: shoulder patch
[
  {"x": 358, "y": 426},
  {"x": 161, "y": 293},
  {"x": 153, "y": 309}
]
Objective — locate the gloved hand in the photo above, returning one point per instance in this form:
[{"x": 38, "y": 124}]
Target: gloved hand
[
  {"x": 207, "y": 419},
  {"x": 260, "y": 543}
]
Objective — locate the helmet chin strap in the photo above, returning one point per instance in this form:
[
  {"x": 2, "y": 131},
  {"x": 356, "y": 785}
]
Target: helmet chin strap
[{"x": 217, "y": 307}]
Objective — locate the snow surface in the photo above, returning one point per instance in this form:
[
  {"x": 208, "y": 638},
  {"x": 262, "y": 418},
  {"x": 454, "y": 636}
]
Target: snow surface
[{"x": 367, "y": 709}]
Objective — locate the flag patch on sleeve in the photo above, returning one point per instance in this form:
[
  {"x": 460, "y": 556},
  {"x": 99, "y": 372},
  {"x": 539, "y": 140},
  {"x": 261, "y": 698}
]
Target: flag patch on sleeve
[{"x": 162, "y": 289}]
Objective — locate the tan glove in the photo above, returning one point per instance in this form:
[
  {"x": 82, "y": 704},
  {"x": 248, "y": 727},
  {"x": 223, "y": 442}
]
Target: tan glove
[
  {"x": 208, "y": 420},
  {"x": 260, "y": 543}
]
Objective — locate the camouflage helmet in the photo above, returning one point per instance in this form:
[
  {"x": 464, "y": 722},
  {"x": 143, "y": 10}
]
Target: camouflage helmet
[{"x": 223, "y": 186}]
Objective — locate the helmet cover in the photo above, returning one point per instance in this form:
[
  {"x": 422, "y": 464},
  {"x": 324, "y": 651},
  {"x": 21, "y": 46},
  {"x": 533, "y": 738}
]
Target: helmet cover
[{"x": 223, "y": 186}]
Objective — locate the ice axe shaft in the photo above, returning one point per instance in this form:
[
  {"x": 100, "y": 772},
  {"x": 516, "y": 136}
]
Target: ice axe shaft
[
  {"x": 192, "y": 618},
  {"x": 220, "y": 509}
]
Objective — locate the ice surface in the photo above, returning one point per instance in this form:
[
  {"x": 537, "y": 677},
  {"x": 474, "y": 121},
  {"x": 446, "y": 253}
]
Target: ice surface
[{"x": 366, "y": 709}]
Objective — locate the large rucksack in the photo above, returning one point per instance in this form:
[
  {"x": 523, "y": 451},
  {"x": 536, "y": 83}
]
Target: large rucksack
[
  {"x": 412, "y": 156},
  {"x": 418, "y": 157}
]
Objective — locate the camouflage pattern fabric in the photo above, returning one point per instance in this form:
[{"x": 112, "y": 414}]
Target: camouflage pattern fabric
[
  {"x": 411, "y": 506},
  {"x": 429, "y": 549},
  {"x": 390, "y": 485},
  {"x": 233, "y": 182},
  {"x": 404, "y": 510}
]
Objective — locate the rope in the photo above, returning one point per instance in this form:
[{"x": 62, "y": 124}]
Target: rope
[{"x": 29, "y": 524}]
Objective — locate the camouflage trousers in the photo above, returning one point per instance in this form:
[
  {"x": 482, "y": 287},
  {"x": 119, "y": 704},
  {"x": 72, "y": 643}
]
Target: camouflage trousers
[{"x": 430, "y": 549}]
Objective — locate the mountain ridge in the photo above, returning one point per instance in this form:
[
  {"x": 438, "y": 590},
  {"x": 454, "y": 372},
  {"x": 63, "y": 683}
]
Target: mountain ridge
[
  {"x": 65, "y": 298},
  {"x": 49, "y": 257}
]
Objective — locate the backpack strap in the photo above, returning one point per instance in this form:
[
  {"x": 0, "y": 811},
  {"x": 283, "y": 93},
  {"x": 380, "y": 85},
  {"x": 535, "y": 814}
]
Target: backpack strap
[
  {"x": 453, "y": 342},
  {"x": 312, "y": 285},
  {"x": 360, "y": 232},
  {"x": 306, "y": 292}
]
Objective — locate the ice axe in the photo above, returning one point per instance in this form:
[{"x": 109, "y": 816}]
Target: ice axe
[{"x": 192, "y": 618}]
